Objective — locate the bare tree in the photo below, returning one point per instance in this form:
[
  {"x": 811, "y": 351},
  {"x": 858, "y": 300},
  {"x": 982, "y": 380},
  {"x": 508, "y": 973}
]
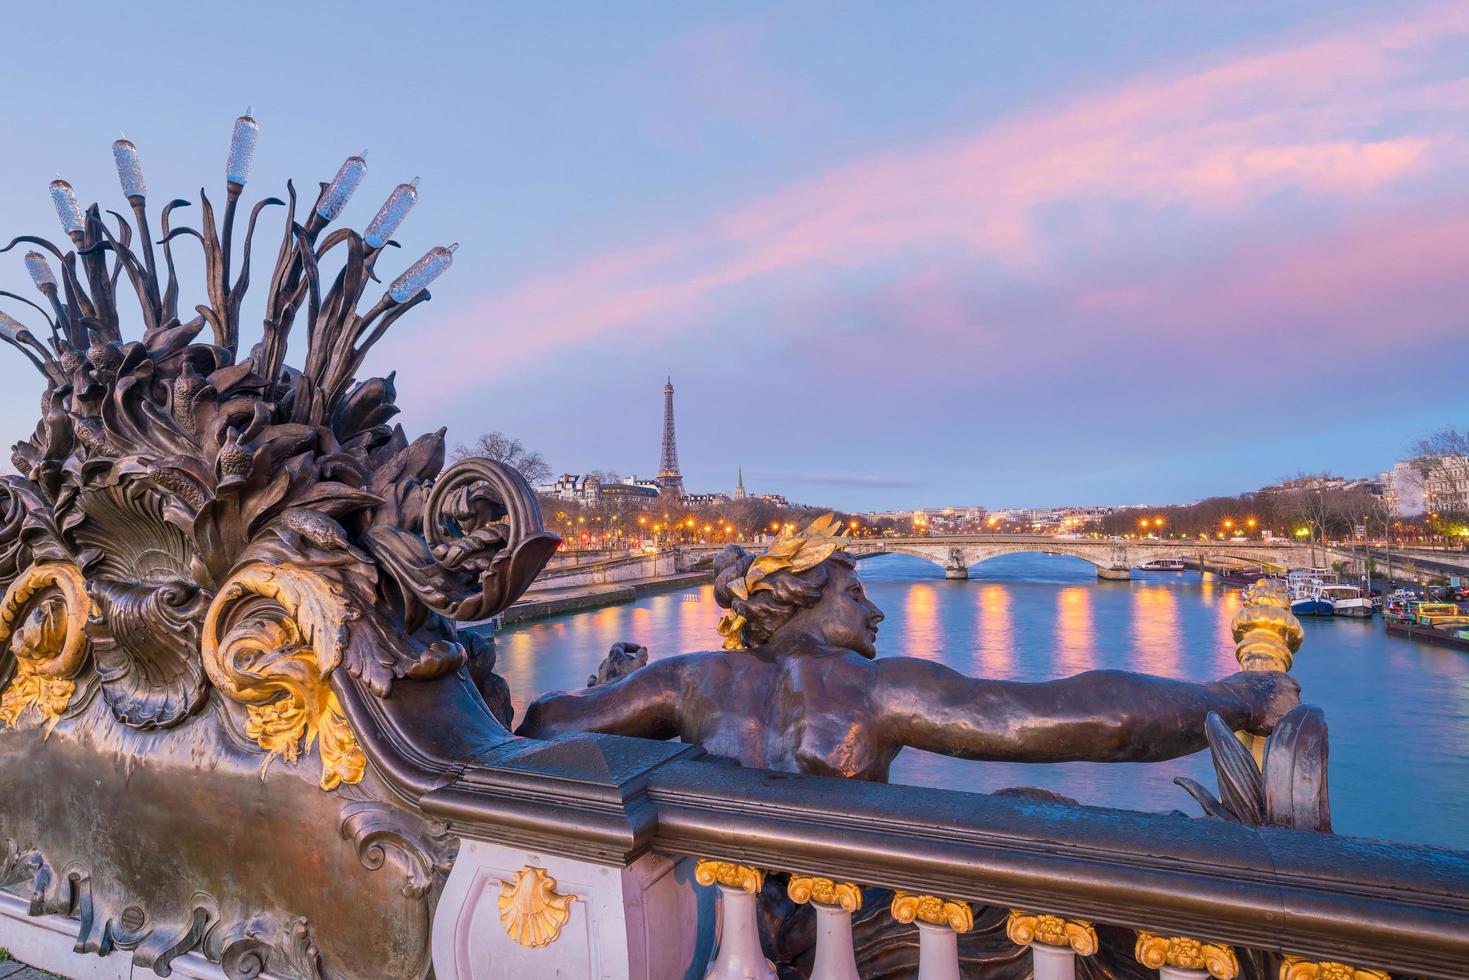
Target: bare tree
[
  {"x": 1440, "y": 458},
  {"x": 1445, "y": 442},
  {"x": 1307, "y": 501},
  {"x": 510, "y": 451}
]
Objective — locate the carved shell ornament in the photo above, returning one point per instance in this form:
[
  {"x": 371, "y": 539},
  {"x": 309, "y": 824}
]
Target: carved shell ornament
[
  {"x": 193, "y": 517},
  {"x": 531, "y": 909}
]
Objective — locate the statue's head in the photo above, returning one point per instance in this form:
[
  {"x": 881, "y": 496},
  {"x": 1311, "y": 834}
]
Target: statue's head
[{"x": 805, "y": 582}]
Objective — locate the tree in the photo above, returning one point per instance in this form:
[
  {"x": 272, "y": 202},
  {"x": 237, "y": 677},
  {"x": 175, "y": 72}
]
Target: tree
[
  {"x": 1441, "y": 465},
  {"x": 510, "y": 451},
  {"x": 1445, "y": 442}
]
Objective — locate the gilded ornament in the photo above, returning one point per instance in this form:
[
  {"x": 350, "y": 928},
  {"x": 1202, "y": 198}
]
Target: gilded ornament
[
  {"x": 1267, "y": 592},
  {"x": 937, "y": 911},
  {"x": 43, "y": 620},
  {"x": 1155, "y": 952},
  {"x": 276, "y": 661},
  {"x": 1024, "y": 928},
  {"x": 792, "y": 551},
  {"x": 1270, "y": 620},
  {"x": 730, "y": 875},
  {"x": 1298, "y": 968},
  {"x": 531, "y": 910},
  {"x": 823, "y": 891},
  {"x": 1267, "y": 635}
]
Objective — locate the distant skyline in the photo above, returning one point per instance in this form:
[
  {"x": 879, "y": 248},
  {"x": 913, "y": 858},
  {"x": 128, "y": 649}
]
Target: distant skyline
[{"x": 1093, "y": 253}]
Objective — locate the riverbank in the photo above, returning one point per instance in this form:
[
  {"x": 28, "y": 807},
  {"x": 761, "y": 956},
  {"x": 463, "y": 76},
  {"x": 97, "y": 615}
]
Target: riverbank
[{"x": 538, "y": 603}]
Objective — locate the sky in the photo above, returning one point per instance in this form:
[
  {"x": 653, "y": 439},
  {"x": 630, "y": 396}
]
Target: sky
[{"x": 891, "y": 255}]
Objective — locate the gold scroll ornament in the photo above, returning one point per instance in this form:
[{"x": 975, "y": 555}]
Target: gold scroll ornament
[
  {"x": 531, "y": 909},
  {"x": 1155, "y": 952},
  {"x": 1298, "y": 968},
  {"x": 1267, "y": 637},
  {"x": 275, "y": 656},
  {"x": 937, "y": 911},
  {"x": 47, "y": 635},
  {"x": 824, "y": 891},
  {"x": 1024, "y": 928},
  {"x": 729, "y": 874}
]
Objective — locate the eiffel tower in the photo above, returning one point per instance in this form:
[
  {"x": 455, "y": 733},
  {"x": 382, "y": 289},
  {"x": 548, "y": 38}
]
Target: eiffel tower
[{"x": 670, "y": 480}]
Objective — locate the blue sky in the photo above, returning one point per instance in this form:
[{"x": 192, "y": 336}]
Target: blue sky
[{"x": 936, "y": 253}]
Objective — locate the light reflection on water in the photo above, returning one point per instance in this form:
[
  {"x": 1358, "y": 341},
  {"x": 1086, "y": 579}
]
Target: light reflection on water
[{"x": 1398, "y": 711}]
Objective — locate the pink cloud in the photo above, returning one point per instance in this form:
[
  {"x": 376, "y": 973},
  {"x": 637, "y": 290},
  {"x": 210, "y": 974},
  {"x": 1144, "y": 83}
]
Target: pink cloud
[{"x": 1218, "y": 140}]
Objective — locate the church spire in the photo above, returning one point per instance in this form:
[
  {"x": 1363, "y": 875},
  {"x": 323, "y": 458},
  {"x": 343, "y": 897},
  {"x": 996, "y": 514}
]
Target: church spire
[{"x": 740, "y": 485}]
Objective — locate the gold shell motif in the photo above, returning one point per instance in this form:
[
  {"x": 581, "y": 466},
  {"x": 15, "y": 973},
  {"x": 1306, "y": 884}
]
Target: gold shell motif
[{"x": 531, "y": 910}]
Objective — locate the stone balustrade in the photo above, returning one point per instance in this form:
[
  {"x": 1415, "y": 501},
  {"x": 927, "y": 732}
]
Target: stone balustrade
[{"x": 665, "y": 857}]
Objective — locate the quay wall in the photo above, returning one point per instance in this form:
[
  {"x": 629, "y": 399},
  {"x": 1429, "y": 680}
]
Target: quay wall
[{"x": 626, "y": 568}]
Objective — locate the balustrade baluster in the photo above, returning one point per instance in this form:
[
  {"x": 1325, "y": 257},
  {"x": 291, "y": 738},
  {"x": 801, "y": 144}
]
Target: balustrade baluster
[
  {"x": 834, "y": 901},
  {"x": 940, "y": 921},
  {"x": 1054, "y": 942},
  {"x": 1182, "y": 958},
  {"x": 739, "y": 956}
]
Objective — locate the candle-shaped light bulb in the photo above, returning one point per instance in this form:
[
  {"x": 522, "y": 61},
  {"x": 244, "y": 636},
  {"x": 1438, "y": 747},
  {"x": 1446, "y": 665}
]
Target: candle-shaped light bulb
[
  {"x": 10, "y": 326},
  {"x": 67, "y": 208},
  {"x": 129, "y": 170},
  {"x": 391, "y": 214},
  {"x": 342, "y": 187},
  {"x": 433, "y": 264},
  {"x": 40, "y": 270},
  {"x": 242, "y": 149}
]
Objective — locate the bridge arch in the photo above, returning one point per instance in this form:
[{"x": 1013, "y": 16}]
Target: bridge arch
[
  {"x": 1113, "y": 558},
  {"x": 957, "y": 560}
]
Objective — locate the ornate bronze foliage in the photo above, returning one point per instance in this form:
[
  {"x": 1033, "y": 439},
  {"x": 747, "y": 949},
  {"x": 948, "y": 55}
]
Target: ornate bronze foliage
[{"x": 248, "y": 562}]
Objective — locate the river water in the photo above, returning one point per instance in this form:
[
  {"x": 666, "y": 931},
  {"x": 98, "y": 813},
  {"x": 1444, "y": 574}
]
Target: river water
[{"x": 1398, "y": 711}]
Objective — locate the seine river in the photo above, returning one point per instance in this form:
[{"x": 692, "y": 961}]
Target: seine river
[{"x": 1398, "y": 711}]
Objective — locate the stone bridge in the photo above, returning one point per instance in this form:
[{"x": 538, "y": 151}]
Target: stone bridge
[{"x": 1113, "y": 557}]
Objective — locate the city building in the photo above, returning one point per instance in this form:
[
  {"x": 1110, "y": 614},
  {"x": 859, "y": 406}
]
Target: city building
[
  {"x": 670, "y": 480},
  {"x": 575, "y": 488},
  {"x": 1445, "y": 484},
  {"x": 1402, "y": 489},
  {"x": 739, "y": 491},
  {"x": 630, "y": 490}
]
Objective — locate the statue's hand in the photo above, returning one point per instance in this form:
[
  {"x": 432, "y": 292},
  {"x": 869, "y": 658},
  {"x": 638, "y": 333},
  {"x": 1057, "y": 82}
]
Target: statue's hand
[{"x": 1269, "y": 694}]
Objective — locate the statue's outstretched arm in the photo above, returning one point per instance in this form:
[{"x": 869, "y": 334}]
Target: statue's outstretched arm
[
  {"x": 1099, "y": 716},
  {"x": 644, "y": 704}
]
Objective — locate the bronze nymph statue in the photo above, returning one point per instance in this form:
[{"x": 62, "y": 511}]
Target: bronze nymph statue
[{"x": 799, "y": 688}]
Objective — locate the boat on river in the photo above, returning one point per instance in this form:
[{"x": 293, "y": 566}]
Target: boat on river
[
  {"x": 1306, "y": 599},
  {"x": 1242, "y": 578},
  {"x": 1440, "y": 623},
  {"x": 1346, "y": 600},
  {"x": 1162, "y": 565}
]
